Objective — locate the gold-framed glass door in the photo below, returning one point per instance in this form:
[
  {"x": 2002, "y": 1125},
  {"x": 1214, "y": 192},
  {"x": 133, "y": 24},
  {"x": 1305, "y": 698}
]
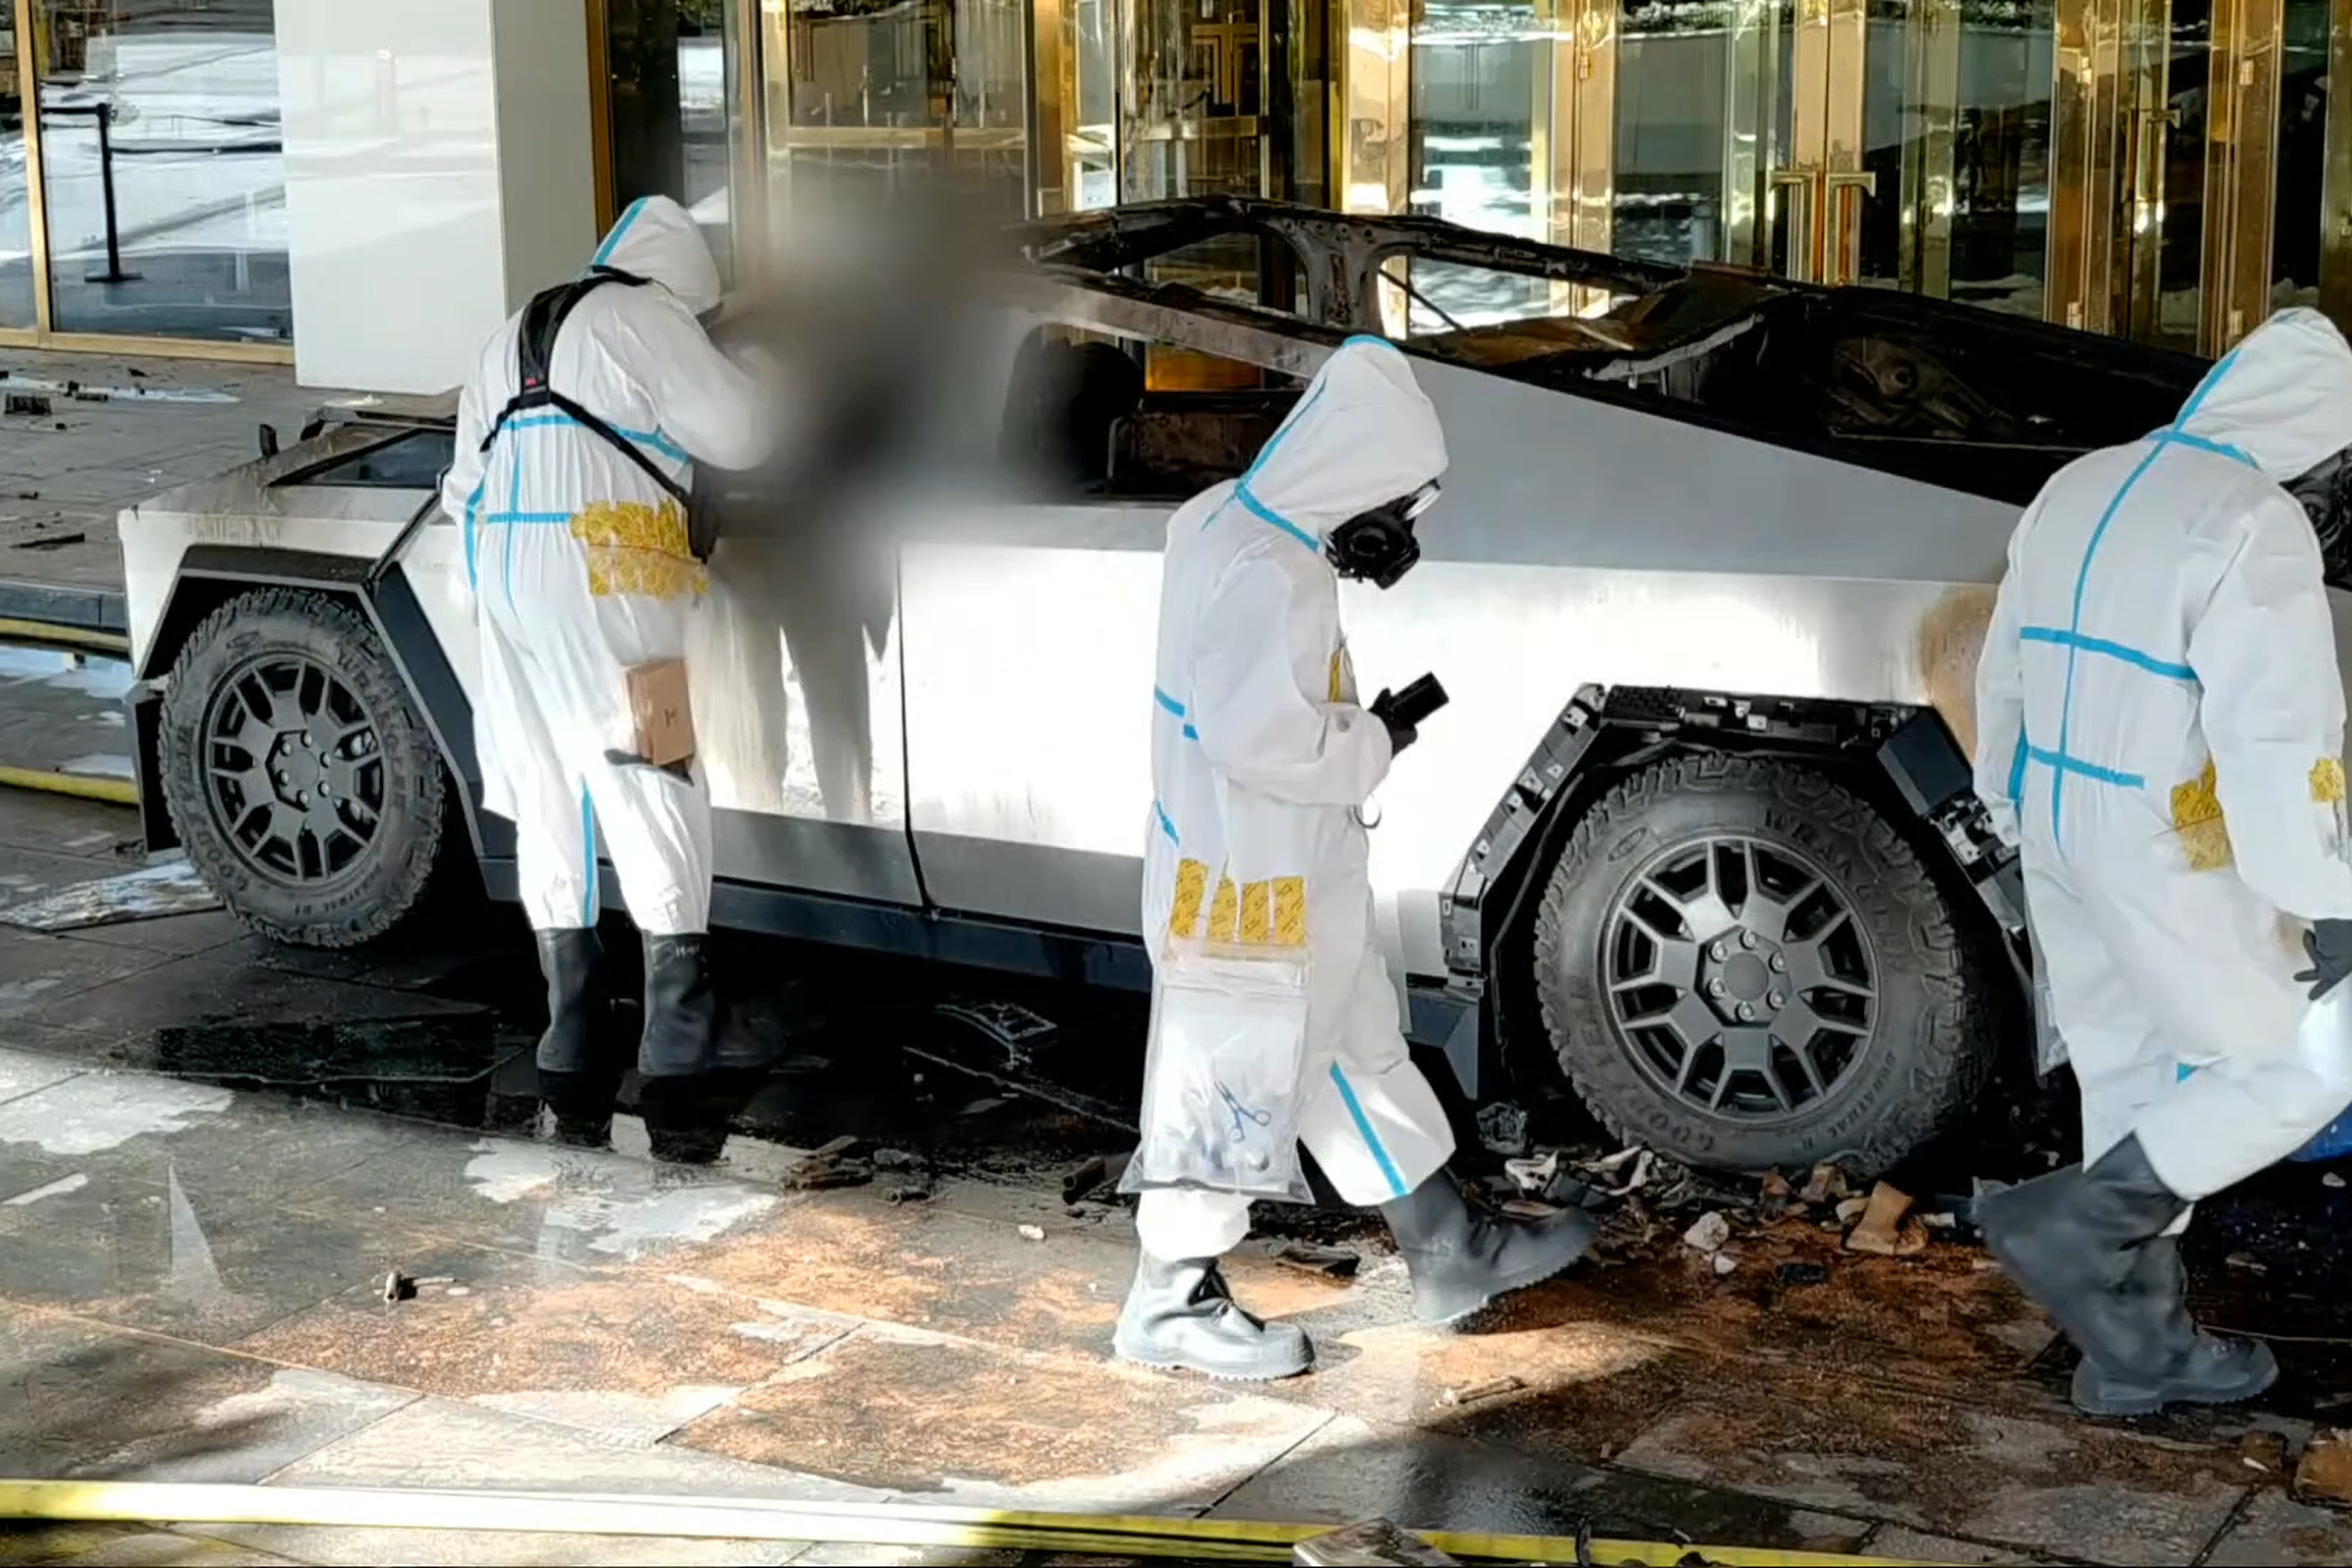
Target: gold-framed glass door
[
  {"x": 18, "y": 293},
  {"x": 861, "y": 98},
  {"x": 2165, "y": 202}
]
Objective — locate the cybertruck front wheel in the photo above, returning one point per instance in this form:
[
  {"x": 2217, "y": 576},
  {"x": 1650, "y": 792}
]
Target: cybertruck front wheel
[
  {"x": 308, "y": 794},
  {"x": 1741, "y": 964}
]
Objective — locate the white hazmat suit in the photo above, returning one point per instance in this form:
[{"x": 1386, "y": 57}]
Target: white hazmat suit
[
  {"x": 580, "y": 570},
  {"x": 2161, "y": 721},
  {"x": 1261, "y": 758}
]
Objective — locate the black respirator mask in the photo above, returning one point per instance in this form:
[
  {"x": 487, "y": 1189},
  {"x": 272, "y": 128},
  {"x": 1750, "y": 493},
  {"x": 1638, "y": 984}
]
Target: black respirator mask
[
  {"x": 1378, "y": 545},
  {"x": 2325, "y": 492}
]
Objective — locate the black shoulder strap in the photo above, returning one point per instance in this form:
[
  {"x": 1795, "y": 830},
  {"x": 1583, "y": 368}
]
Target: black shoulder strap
[{"x": 535, "y": 343}]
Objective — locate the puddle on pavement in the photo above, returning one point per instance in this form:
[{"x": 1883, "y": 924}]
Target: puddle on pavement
[{"x": 61, "y": 669}]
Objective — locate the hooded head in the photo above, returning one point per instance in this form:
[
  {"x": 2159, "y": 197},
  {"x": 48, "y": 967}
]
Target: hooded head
[
  {"x": 2282, "y": 397},
  {"x": 656, "y": 239},
  {"x": 1361, "y": 436}
]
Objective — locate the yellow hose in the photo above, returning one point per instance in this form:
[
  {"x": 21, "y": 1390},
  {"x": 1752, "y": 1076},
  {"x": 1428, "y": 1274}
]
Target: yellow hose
[
  {"x": 113, "y": 791},
  {"x": 740, "y": 1519},
  {"x": 45, "y": 631}
]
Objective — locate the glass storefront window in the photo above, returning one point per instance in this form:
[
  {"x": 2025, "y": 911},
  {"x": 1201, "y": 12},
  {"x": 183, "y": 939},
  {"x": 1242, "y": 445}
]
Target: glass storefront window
[
  {"x": 2299, "y": 167},
  {"x": 861, "y": 98},
  {"x": 2000, "y": 190},
  {"x": 16, "y": 211},
  {"x": 163, "y": 167},
  {"x": 667, "y": 72}
]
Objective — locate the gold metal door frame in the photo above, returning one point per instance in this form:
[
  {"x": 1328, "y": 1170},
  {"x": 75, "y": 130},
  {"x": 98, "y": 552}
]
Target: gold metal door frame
[
  {"x": 1931, "y": 105},
  {"x": 1824, "y": 181},
  {"x": 2241, "y": 139},
  {"x": 2335, "y": 228},
  {"x": 2110, "y": 117},
  {"x": 43, "y": 333}
]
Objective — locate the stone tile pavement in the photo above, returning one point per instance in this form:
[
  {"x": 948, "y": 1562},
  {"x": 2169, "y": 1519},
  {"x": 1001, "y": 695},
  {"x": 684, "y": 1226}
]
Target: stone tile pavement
[{"x": 138, "y": 425}]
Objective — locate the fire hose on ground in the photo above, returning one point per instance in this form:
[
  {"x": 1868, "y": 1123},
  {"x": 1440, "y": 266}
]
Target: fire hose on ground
[
  {"x": 47, "y": 781},
  {"x": 761, "y": 1519}
]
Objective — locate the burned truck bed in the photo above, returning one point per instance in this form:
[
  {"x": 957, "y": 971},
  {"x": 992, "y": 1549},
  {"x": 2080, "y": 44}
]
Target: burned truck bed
[{"x": 1959, "y": 397}]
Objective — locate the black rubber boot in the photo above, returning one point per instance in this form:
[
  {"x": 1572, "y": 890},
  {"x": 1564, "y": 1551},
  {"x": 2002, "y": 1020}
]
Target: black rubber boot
[
  {"x": 1460, "y": 1261},
  {"x": 684, "y": 1121},
  {"x": 1181, "y": 1317},
  {"x": 579, "y": 1073},
  {"x": 2088, "y": 1245},
  {"x": 2207, "y": 1369}
]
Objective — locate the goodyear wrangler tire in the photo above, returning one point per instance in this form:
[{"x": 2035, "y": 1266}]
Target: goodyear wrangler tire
[
  {"x": 308, "y": 794},
  {"x": 1741, "y": 964}
]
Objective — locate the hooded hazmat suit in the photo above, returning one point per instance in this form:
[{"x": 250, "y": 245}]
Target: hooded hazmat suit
[
  {"x": 2161, "y": 720},
  {"x": 579, "y": 567},
  {"x": 1261, "y": 758}
]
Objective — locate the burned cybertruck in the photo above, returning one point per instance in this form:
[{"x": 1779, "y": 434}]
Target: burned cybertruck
[{"x": 1696, "y": 838}]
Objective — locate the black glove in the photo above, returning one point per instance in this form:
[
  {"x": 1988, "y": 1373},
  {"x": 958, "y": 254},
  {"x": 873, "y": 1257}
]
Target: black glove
[
  {"x": 1400, "y": 733},
  {"x": 2330, "y": 945}
]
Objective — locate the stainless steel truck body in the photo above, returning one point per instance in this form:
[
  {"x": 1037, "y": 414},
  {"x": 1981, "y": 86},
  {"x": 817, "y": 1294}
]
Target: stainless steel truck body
[{"x": 1706, "y": 584}]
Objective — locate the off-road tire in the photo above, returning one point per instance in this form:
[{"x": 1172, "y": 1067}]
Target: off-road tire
[
  {"x": 1932, "y": 1037},
  {"x": 387, "y": 879}
]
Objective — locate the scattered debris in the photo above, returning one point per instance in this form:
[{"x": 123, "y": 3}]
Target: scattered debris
[
  {"x": 1033, "y": 1233},
  {"x": 1472, "y": 1393},
  {"x": 896, "y": 1160},
  {"x": 148, "y": 894},
  {"x": 2246, "y": 1261},
  {"x": 1372, "y": 1543},
  {"x": 1940, "y": 1220},
  {"x": 2331, "y": 1179},
  {"x": 25, "y": 402},
  {"x": 1802, "y": 1274},
  {"x": 1330, "y": 1262},
  {"x": 828, "y": 1165},
  {"x": 1084, "y": 1179},
  {"x": 1883, "y": 1229},
  {"x": 29, "y": 495},
  {"x": 2263, "y": 1451},
  {"x": 1502, "y": 1128},
  {"x": 905, "y": 1194},
  {"x": 1528, "y": 1209},
  {"x": 2325, "y": 1473},
  {"x": 1850, "y": 1209},
  {"x": 1710, "y": 1232},
  {"x": 1725, "y": 1262},
  {"x": 397, "y": 1286},
  {"x": 1826, "y": 1184},
  {"x": 1535, "y": 1173},
  {"x": 54, "y": 541}
]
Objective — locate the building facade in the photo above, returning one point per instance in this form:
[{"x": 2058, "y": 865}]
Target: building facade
[{"x": 369, "y": 186}]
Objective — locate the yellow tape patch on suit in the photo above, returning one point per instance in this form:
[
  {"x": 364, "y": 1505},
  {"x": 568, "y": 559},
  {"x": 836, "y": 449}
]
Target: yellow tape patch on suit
[
  {"x": 2328, "y": 781},
  {"x": 1257, "y": 912},
  {"x": 2197, "y": 818},
  {"x": 1191, "y": 886},
  {"x": 1289, "y": 911},
  {"x": 1338, "y": 674},
  {"x": 1221, "y": 911},
  {"x": 638, "y": 549}
]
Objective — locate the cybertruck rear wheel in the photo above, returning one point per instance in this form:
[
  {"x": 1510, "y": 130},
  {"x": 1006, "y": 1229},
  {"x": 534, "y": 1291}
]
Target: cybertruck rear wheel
[
  {"x": 1741, "y": 964},
  {"x": 305, "y": 789}
]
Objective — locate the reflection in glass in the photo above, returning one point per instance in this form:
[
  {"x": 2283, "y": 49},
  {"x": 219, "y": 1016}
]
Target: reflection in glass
[
  {"x": 15, "y": 215},
  {"x": 863, "y": 96},
  {"x": 2000, "y": 191},
  {"x": 666, "y": 64},
  {"x": 2179, "y": 263},
  {"x": 1480, "y": 76},
  {"x": 1674, "y": 137},
  {"x": 2299, "y": 167},
  {"x": 1091, "y": 94},
  {"x": 164, "y": 168}
]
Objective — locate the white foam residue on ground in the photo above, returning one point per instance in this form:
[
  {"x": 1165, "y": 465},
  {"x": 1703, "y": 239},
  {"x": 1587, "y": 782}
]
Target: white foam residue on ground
[
  {"x": 621, "y": 1206},
  {"x": 98, "y": 1111}
]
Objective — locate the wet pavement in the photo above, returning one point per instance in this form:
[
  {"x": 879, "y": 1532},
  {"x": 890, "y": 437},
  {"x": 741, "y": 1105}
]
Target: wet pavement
[{"x": 213, "y": 1153}]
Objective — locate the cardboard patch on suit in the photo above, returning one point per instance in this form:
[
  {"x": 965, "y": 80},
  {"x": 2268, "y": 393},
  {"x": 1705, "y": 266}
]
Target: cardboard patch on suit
[{"x": 663, "y": 715}]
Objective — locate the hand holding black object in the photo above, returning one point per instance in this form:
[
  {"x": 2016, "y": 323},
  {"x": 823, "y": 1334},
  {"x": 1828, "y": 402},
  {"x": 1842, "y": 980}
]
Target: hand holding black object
[
  {"x": 1400, "y": 733},
  {"x": 2330, "y": 945}
]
